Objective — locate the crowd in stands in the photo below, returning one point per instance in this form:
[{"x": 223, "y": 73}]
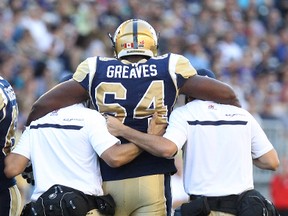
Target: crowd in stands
[{"x": 245, "y": 42}]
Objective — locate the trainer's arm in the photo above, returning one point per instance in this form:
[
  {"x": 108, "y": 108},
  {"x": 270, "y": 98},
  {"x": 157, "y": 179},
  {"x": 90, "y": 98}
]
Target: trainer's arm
[
  {"x": 62, "y": 95},
  {"x": 154, "y": 144},
  {"x": 120, "y": 154},
  {"x": 15, "y": 164},
  {"x": 206, "y": 88},
  {"x": 268, "y": 161}
]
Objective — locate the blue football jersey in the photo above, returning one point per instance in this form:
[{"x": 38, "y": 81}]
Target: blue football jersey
[
  {"x": 133, "y": 92},
  {"x": 8, "y": 124}
]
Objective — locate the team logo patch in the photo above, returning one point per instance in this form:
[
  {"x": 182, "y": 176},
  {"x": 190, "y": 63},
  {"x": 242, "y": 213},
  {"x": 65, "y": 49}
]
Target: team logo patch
[
  {"x": 54, "y": 113},
  {"x": 211, "y": 106}
]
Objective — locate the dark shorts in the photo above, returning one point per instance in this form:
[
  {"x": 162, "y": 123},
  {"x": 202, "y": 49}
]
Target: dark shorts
[{"x": 6, "y": 206}]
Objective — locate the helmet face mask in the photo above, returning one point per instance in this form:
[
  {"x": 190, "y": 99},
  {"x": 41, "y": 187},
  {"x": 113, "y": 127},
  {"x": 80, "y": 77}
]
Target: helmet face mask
[{"x": 135, "y": 37}]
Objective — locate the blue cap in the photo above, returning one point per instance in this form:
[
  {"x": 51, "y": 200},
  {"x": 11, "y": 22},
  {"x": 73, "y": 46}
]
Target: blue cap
[
  {"x": 66, "y": 77},
  {"x": 206, "y": 72}
]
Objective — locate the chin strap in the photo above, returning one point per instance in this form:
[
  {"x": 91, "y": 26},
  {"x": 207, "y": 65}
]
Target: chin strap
[
  {"x": 113, "y": 44},
  {"x": 158, "y": 36},
  {"x": 111, "y": 38}
]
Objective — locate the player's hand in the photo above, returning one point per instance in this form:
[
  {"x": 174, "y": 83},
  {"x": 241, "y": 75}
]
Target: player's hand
[
  {"x": 155, "y": 126},
  {"x": 28, "y": 174},
  {"x": 114, "y": 125}
]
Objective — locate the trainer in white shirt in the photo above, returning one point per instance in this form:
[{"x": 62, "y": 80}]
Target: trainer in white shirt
[
  {"x": 220, "y": 141},
  {"x": 63, "y": 147}
]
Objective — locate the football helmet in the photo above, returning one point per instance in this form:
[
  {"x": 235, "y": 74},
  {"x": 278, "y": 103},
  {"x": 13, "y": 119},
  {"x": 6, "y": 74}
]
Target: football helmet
[{"x": 135, "y": 37}]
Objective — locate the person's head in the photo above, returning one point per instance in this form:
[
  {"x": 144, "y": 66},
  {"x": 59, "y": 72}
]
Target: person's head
[
  {"x": 135, "y": 37},
  {"x": 206, "y": 73}
]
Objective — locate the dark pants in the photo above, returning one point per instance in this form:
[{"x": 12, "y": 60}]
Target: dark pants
[
  {"x": 168, "y": 194},
  {"x": 5, "y": 202},
  {"x": 10, "y": 201}
]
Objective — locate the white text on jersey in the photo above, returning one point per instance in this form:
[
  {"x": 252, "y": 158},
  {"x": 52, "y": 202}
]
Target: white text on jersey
[{"x": 123, "y": 71}]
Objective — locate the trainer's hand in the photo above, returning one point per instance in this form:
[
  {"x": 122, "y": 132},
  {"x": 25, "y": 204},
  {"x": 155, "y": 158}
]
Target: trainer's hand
[
  {"x": 114, "y": 125},
  {"x": 155, "y": 126}
]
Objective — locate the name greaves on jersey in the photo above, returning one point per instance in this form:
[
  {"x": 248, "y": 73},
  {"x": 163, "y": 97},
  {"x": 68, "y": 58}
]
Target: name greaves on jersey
[
  {"x": 124, "y": 71},
  {"x": 177, "y": 64}
]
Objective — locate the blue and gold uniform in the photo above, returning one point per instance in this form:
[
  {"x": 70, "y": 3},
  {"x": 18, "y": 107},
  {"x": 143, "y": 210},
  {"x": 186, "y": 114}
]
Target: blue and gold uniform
[
  {"x": 133, "y": 92},
  {"x": 10, "y": 199}
]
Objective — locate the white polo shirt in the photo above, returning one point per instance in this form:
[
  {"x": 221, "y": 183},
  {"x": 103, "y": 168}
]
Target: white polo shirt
[
  {"x": 63, "y": 148},
  {"x": 221, "y": 142}
]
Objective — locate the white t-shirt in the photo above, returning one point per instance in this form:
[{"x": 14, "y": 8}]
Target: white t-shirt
[
  {"x": 221, "y": 142},
  {"x": 63, "y": 148}
]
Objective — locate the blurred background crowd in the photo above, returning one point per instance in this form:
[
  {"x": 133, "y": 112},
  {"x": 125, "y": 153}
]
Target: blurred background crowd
[{"x": 245, "y": 42}]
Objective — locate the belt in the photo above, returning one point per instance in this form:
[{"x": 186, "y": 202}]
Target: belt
[{"x": 226, "y": 204}]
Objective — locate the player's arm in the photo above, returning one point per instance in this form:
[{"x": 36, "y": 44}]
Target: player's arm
[
  {"x": 154, "y": 144},
  {"x": 15, "y": 164},
  {"x": 201, "y": 87},
  {"x": 268, "y": 161},
  {"x": 120, "y": 154},
  {"x": 263, "y": 153},
  {"x": 205, "y": 88},
  {"x": 62, "y": 95}
]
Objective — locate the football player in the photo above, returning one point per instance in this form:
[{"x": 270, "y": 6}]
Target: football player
[{"x": 10, "y": 198}]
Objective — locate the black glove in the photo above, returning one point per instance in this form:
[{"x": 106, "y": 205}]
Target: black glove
[{"x": 28, "y": 174}]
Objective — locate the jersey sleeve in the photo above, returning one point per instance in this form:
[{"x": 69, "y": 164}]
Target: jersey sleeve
[
  {"x": 183, "y": 69},
  {"x": 260, "y": 142},
  {"x": 177, "y": 129},
  {"x": 85, "y": 72}
]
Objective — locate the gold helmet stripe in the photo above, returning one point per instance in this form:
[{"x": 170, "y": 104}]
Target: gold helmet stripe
[{"x": 135, "y": 34}]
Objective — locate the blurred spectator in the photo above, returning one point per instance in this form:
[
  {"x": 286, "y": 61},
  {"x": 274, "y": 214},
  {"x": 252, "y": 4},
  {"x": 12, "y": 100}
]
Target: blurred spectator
[
  {"x": 284, "y": 80},
  {"x": 237, "y": 39},
  {"x": 195, "y": 52},
  {"x": 279, "y": 189},
  {"x": 33, "y": 22},
  {"x": 230, "y": 51}
]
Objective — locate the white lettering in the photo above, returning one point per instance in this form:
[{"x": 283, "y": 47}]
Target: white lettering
[
  {"x": 125, "y": 71},
  {"x": 133, "y": 73},
  {"x": 118, "y": 71},
  {"x": 10, "y": 93},
  {"x": 110, "y": 71},
  {"x": 153, "y": 70},
  {"x": 136, "y": 71},
  {"x": 146, "y": 71}
]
